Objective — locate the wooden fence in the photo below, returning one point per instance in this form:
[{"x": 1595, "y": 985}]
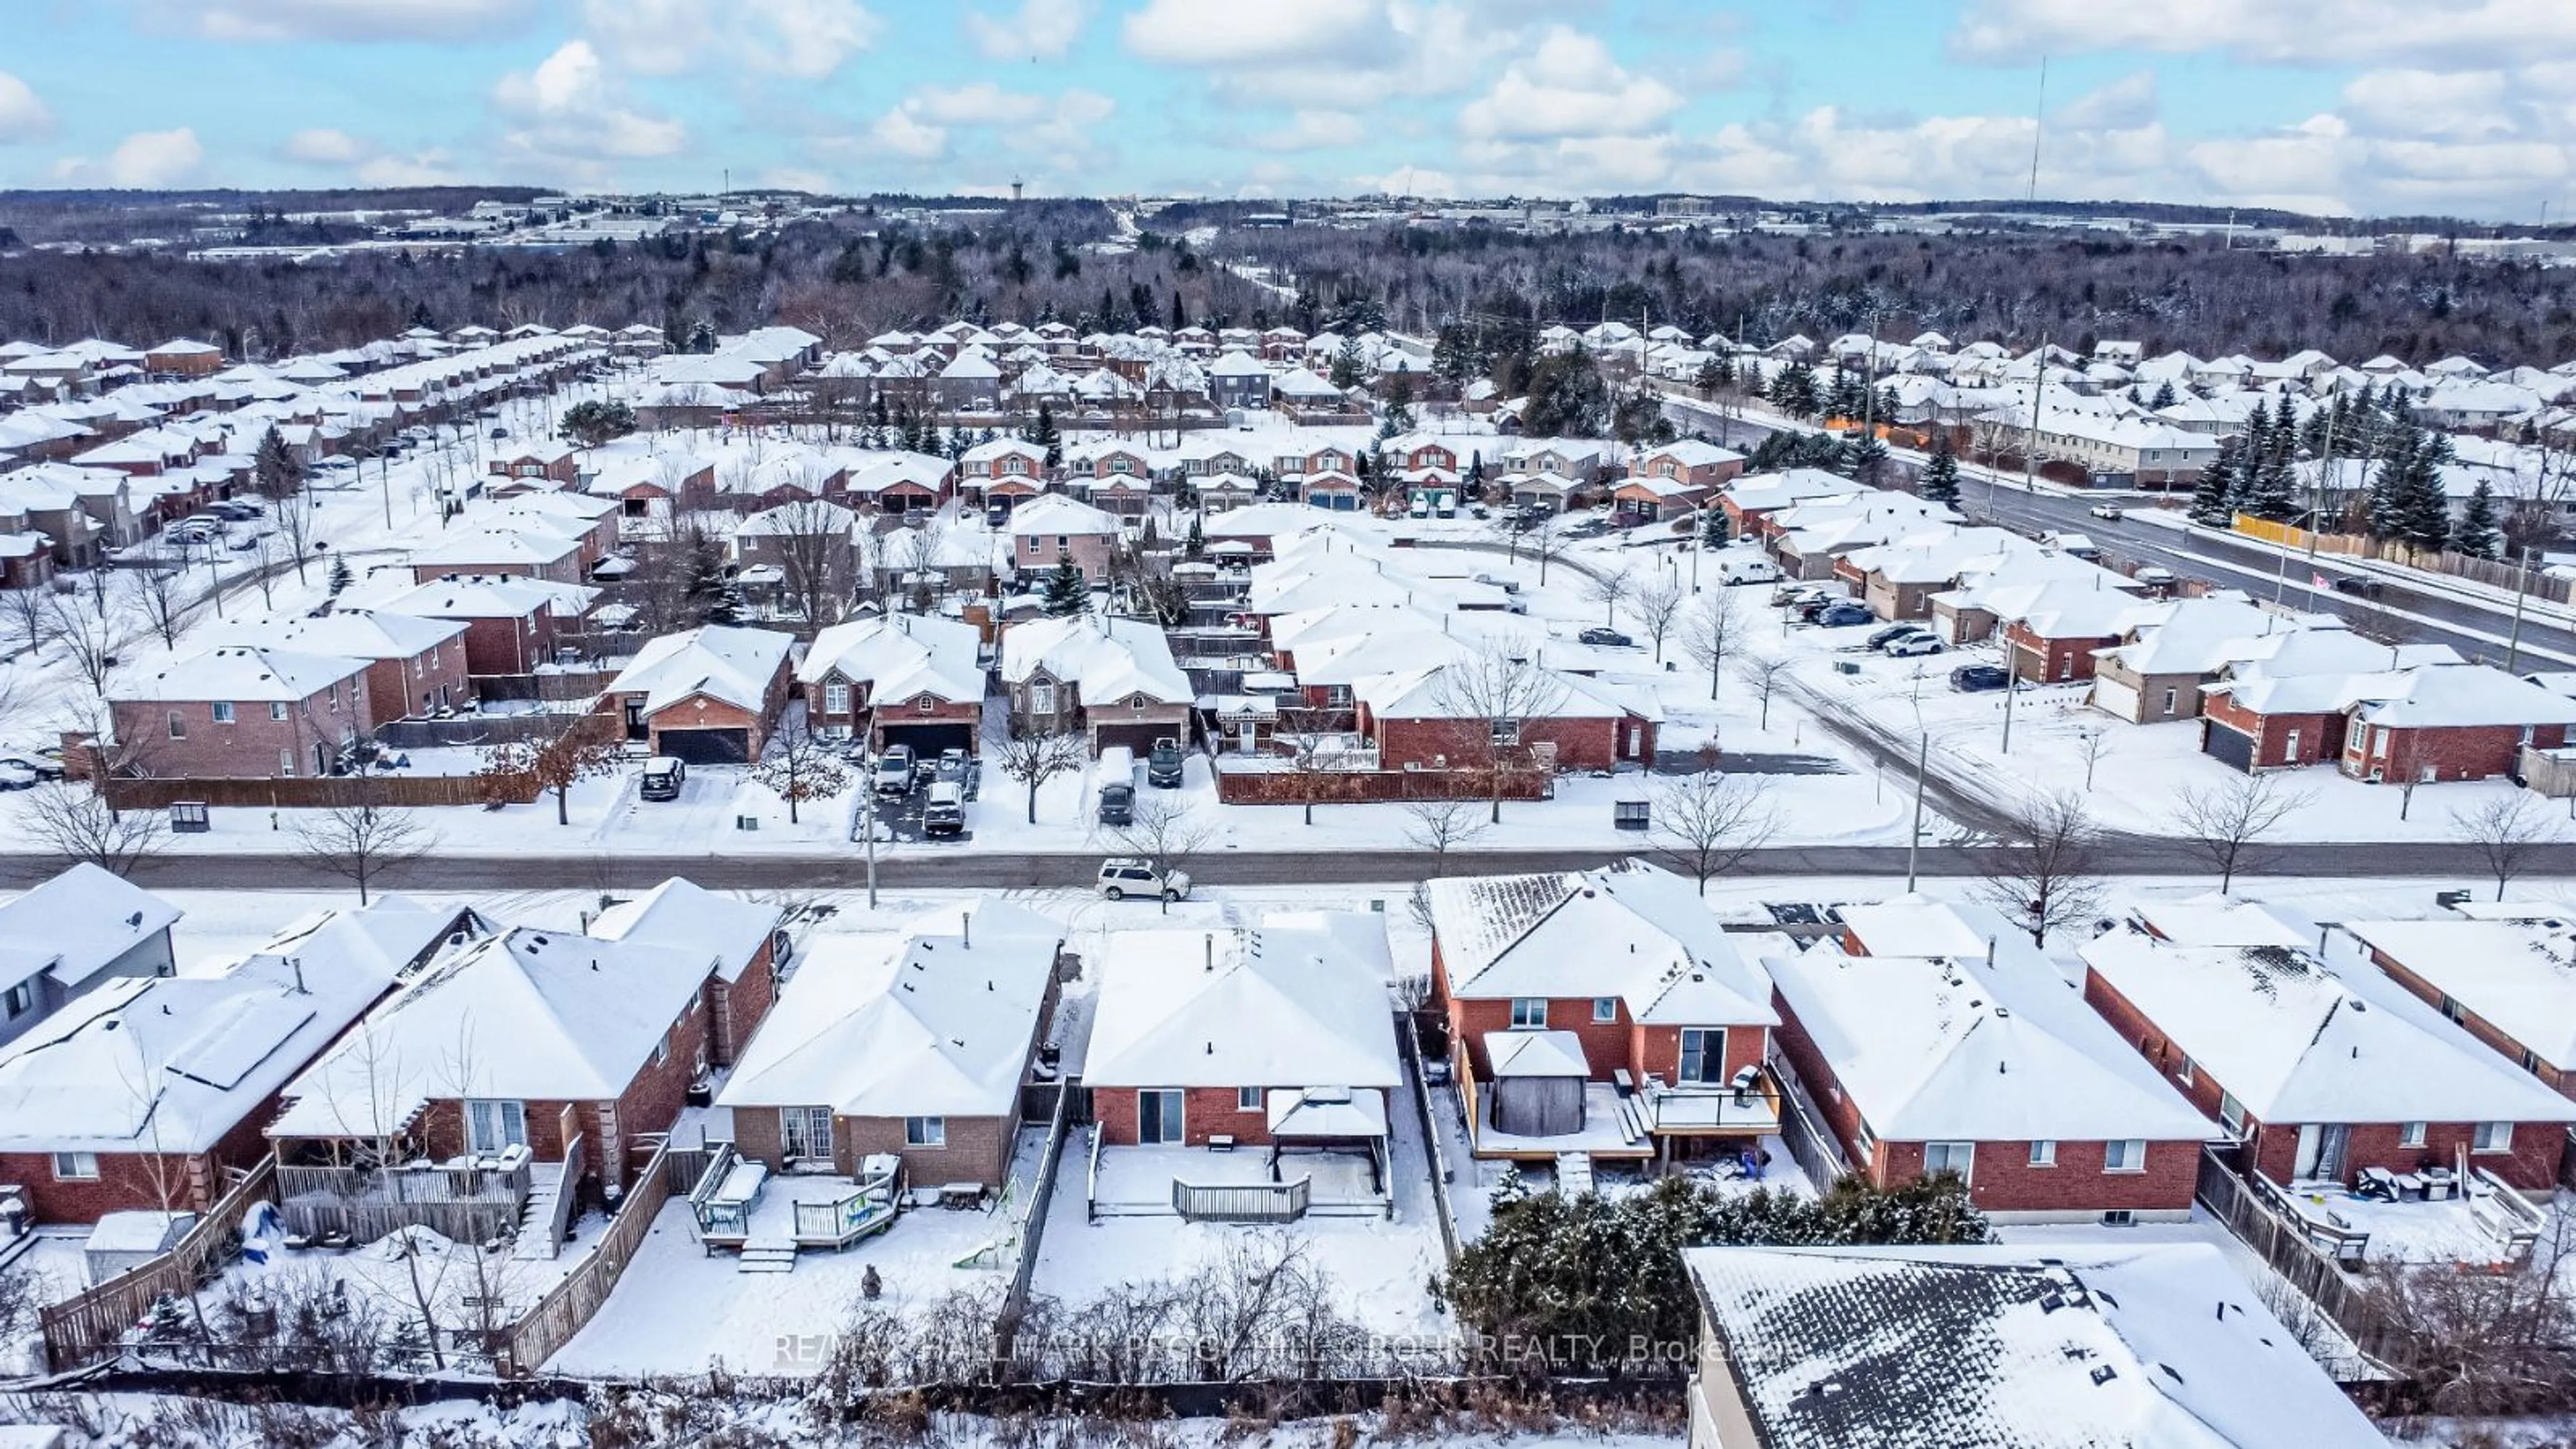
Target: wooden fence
[
  {"x": 85, "y": 1329},
  {"x": 1815, "y": 1148},
  {"x": 545, "y": 1328},
  {"x": 392, "y": 791},
  {"x": 2288, "y": 1248},
  {"x": 1015, "y": 1300},
  {"x": 466, "y": 1204},
  {"x": 558, "y": 1225},
  {"x": 1238, "y": 785},
  {"x": 2495, "y": 573},
  {"x": 1409, "y": 1047}
]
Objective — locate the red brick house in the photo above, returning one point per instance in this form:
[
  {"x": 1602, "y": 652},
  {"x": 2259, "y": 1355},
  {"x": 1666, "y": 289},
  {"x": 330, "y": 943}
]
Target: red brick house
[
  {"x": 708, "y": 695},
  {"x": 1690, "y": 463},
  {"x": 1003, "y": 458},
  {"x": 525, "y": 550},
  {"x": 1053, "y": 527},
  {"x": 183, "y": 357},
  {"x": 414, "y": 666},
  {"x": 1242, "y": 1036},
  {"x": 1961, "y": 1050},
  {"x": 919, "y": 1052},
  {"x": 244, "y": 712},
  {"x": 2506, "y": 981},
  {"x": 510, "y": 623},
  {"x": 2319, "y": 1068},
  {"x": 1655, "y": 1028},
  {"x": 909, "y": 679},
  {"x": 558, "y": 463},
  {"x": 743, "y": 937},
  {"x": 1416, "y": 721},
  {"x": 2451, "y": 722},
  {"x": 141, "y": 1093}
]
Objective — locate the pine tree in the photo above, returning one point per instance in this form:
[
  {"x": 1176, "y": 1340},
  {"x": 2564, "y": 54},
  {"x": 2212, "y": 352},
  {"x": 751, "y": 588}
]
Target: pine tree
[
  {"x": 1195, "y": 543},
  {"x": 2480, "y": 531},
  {"x": 1348, "y": 365},
  {"x": 340, "y": 579},
  {"x": 1843, "y": 399},
  {"x": 1046, "y": 436},
  {"x": 2164, "y": 397},
  {"x": 2424, "y": 509},
  {"x": 2212, "y": 496},
  {"x": 1066, "y": 592},
  {"x": 1793, "y": 391},
  {"x": 1940, "y": 482}
]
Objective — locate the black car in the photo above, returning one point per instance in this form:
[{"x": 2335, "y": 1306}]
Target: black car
[
  {"x": 1894, "y": 632},
  {"x": 1606, "y": 638},
  {"x": 2360, "y": 588},
  {"x": 1978, "y": 678},
  {"x": 1843, "y": 616}
]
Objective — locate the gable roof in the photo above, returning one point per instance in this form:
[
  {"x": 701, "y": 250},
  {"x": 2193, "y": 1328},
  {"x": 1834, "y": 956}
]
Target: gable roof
[
  {"x": 899, "y": 656},
  {"x": 719, "y": 661},
  {"x": 1270, "y": 1006},
  {"x": 77, "y": 924},
  {"x": 729, "y": 930},
  {"x": 241, "y": 672},
  {"x": 1632, "y": 930},
  {"x": 1110, "y": 659},
  {"x": 2519, "y": 975}
]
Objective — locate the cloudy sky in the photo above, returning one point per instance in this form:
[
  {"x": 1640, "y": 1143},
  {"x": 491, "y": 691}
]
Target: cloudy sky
[{"x": 2368, "y": 106}]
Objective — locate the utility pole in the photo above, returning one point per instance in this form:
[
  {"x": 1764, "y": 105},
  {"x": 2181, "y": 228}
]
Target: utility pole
[
  {"x": 868, "y": 824},
  {"x": 1914, "y": 842},
  {"x": 2030, "y": 445},
  {"x": 2012, "y": 686},
  {"x": 2521, "y": 585}
]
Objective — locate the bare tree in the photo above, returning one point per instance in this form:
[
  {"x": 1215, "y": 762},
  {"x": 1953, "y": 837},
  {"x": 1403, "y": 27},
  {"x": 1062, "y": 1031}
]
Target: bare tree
[
  {"x": 811, "y": 540},
  {"x": 363, "y": 842},
  {"x": 1493, "y": 693},
  {"x": 799, "y": 765},
  {"x": 578, "y": 751},
  {"x": 1307, "y": 740},
  {"x": 2482, "y": 1343},
  {"x": 2505, "y": 833},
  {"x": 1609, "y": 588},
  {"x": 94, "y": 640},
  {"x": 2220, "y": 822},
  {"x": 1708, "y": 822},
  {"x": 2045, "y": 873},
  {"x": 161, "y": 596},
  {"x": 1164, "y": 834},
  {"x": 1031, "y": 756},
  {"x": 26, "y": 619},
  {"x": 1658, "y": 605},
  {"x": 295, "y": 525},
  {"x": 1439, "y": 826},
  {"x": 1765, "y": 672},
  {"x": 76, "y": 823},
  {"x": 1709, "y": 630},
  {"x": 1546, "y": 541}
]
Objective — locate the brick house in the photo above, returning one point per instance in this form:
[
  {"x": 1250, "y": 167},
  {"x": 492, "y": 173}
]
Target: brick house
[
  {"x": 708, "y": 695},
  {"x": 743, "y": 937},
  {"x": 920, "y": 1051},
  {"x": 2284, "y": 698},
  {"x": 806, "y": 552},
  {"x": 910, "y": 679},
  {"x": 1691, "y": 463},
  {"x": 557, "y": 463},
  {"x": 510, "y": 622},
  {"x": 525, "y": 550},
  {"x": 414, "y": 666},
  {"x": 240, "y": 711},
  {"x": 184, "y": 357},
  {"x": 1242, "y": 1034},
  {"x": 78, "y": 928},
  {"x": 2155, "y": 670},
  {"x": 1053, "y": 527},
  {"x": 525, "y": 1040},
  {"x": 2319, "y": 1068},
  {"x": 1112, "y": 679},
  {"x": 1418, "y": 720},
  {"x": 2508, "y": 981},
  {"x": 143, "y": 1091},
  {"x": 1003, "y": 458},
  {"x": 1962, "y": 1051},
  {"x": 2450, "y": 722},
  {"x": 1662, "y": 1024}
]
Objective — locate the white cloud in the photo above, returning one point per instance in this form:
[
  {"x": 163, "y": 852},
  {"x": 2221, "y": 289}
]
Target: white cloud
[
  {"x": 1568, "y": 86},
  {"x": 322, "y": 146},
  {"x": 903, "y": 134},
  {"x": 148, "y": 160},
  {"x": 796, "y": 178},
  {"x": 2123, "y": 104},
  {"x": 1315, "y": 131},
  {"x": 1258, "y": 32},
  {"x": 1039, "y": 30},
  {"x": 22, "y": 116},
  {"x": 347, "y": 20},
  {"x": 2439, "y": 34},
  {"x": 806, "y": 39},
  {"x": 429, "y": 168},
  {"x": 1053, "y": 130},
  {"x": 570, "y": 106}
]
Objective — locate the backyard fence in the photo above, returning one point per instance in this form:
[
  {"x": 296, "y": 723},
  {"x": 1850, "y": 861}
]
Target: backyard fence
[
  {"x": 85, "y": 1329},
  {"x": 545, "y": 1328},
  {"x": 2291, "y": 1252}
]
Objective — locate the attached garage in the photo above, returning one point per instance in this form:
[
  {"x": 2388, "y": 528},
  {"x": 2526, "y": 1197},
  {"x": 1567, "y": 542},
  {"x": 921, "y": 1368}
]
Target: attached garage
[
  {"x": 2232, "y": 747},
  {"x": 705, "y": 747},
  {"x": 1139, "y": 737},
  {"x": 2116, "y": 697},
  {"x": 927, "y": 739}
]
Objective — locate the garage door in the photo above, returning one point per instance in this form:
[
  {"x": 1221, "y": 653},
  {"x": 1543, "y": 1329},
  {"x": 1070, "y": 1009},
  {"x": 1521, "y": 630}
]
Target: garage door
[
  {"x": 930, "y": 739},
  {"x": 2120, "y": 699},
  {"x": 707, "y": 747},
  {"x": 2233, "y": 747}
]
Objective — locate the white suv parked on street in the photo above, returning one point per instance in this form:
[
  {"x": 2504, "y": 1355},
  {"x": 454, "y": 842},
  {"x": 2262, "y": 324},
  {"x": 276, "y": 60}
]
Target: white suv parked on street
[{"x": 1124, "y": 876}]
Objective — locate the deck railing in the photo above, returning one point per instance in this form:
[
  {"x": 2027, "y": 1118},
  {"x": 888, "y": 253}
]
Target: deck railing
[{"x": 1242, "y": 1202}]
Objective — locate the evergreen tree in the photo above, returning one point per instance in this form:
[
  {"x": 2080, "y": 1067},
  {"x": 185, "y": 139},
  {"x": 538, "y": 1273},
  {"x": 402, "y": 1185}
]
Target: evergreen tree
[
  {"x": 2424, "y": 509},
  {"x": 1843, "y": 399},
  {"x": 1712, "y": 374},
  {"x": 1046, "y": 436},
  {"x": 1794, "y": 391},
  {"x": 1066, "y": 592},
  {"x": 1863, "y": 458},
  {"x": 274, "y": 472},
  {"x": 2164, "y": 397},
  {"x": 2480, "y": 531},
  {"x": 2213, "y": 495},
  {"x": 340, "y": 578},
  {"x": 1940, "y": 482},
  {"x": 957, "y": 445},
  {"x": 1348, "y": 366},
  {"x": 1885, "y": 405},
  {"x": 1195, "y": 543}
]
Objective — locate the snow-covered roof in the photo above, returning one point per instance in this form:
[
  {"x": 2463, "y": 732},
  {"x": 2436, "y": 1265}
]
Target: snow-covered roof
[
  {"x": 240, "y": 672},
  {"x": 490, "y": 596},
  {"x": 1268, "y": 1006},
  {"x": 2460, "y": 695},
  {"x": 1110, "y": 659},
  {"x": 352, "y": 633},
  {"x": 728, "y": 930},
  {"x": 935, "y": 1023},
  {"x": 2145, "y": 1345},
  {"x": 1053, "y": 515},
  {"x": 531, "y": 1015},
  {"x": 1631, "y": 930},
  {"x": 2518, "y": 975},
  {"x": 76, "y": 925},
  {"x": 722, "y": 662},
  {"x": 900, "y": 656},
  {"x": 2299, "y": 1039},
  {"x": 1536, "y": 1054}
]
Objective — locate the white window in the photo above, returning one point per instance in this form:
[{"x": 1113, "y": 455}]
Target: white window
[
  {"x": 1529, "y": 1013},
  {"x": 491, "y": 1126},
  {"x": 1506, "y": 731},
  {"x": 75, "y": 1167},
  {"x": 2182, "y": 1070},
  {"x": 286, "y": 763},
  {"x": 836, "y": 699},
  {"x": 223, "y": 711},
  {"x": 2124, "y": 1154},
  {"x": 2492, "y": 1137},
  {"x": 925, "y": 1131},
  {"x": 277, "y": 710},
  {"x": 804, "y": 1132},
  {"x": 21, "y": 999},
  {"x": 2231, "y": 1112},
  {"x": 1958, "y": 1157},
  {"x": 2410, "y": 1134},
  {"x": 178, "y": 725},
  {"x": 1605, "y": 1009},
  {"x": 1247, "y": 1099},
  {"x": 1041, "y": 699},
  {"x": 2043, "y": 1153}
]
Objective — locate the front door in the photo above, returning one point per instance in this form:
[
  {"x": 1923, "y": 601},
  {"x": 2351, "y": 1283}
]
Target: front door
[
  {"x": 1248, "y": 735},
  {"x": 1158, "y": 1117}
]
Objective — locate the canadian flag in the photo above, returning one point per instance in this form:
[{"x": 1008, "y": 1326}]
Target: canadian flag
[{"x": 2317, "y": 581}]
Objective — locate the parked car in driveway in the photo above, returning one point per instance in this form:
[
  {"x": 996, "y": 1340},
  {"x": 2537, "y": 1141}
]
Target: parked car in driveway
[
  {"x": 41, "y": 768},
  {"x": 1892, "y": 633},
  {"x": 1843, "y": 616},
  {"x": 1605, "y": 638},
  {"x": 1911, "y": 646},
  {"x": 1123, "y": 876},
  {"x": 1978, "y": 678},
  {"x": 662, "y": 778},
  {"x": 943, "y": 811},
  {"x": 894, "y": 771},
  {"x": 14, "y": 777}
]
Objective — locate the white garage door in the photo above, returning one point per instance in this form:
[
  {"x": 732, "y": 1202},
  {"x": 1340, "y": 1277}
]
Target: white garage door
[{"x": 2120, "y": 699}]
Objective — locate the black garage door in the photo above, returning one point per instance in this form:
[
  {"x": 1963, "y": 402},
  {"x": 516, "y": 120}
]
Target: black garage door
[
  {"x": 930, "y": 739},
  {"x": 2229, "y": 746},
  {"x": 707, "y": 747}
]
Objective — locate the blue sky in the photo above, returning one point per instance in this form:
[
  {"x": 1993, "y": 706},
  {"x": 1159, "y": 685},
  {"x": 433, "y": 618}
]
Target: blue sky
[{"x": 2367, "y": 106}]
